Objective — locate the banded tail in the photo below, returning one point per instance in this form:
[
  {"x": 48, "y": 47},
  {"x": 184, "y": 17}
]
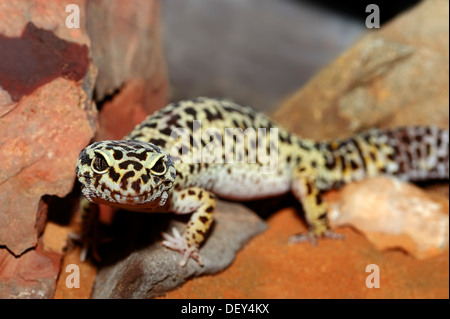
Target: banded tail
[{"x": 411, "y": 153}]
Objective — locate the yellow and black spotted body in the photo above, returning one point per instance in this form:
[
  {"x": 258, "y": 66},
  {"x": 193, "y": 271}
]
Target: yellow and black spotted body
[{"x": 153, "y": 169}]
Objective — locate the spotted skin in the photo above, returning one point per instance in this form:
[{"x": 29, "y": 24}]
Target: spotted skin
[{"x": 142, "y": 171}]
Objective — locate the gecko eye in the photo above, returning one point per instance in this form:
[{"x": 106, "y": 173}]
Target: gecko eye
[
  {"x": 159, "y": 168},
  {"x": 99, "y": 164}
]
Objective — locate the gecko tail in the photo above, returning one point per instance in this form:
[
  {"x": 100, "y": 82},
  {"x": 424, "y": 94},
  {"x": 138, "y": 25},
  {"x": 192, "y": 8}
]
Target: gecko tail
[
  {"x": 422, "y": 152},
  {"x": 413, "y": 153}
]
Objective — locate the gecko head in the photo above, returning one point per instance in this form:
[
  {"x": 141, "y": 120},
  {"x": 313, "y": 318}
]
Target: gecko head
[{"x": 125, "y": 173}]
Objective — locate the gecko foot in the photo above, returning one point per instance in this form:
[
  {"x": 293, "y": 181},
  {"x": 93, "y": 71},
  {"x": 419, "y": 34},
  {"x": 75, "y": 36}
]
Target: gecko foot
[
  {"x": 178, "y": 243},
  {"x": 312, "y": 237}
]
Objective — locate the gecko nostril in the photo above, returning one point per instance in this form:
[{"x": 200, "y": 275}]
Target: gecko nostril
[
  {"x": 136, "y": 186},
  {"x": 124, "y": 181},
  {"x": 145, "y": 178}
]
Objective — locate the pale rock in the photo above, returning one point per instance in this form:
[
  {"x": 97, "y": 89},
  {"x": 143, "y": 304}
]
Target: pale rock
[{"x": 394, "y": 214}]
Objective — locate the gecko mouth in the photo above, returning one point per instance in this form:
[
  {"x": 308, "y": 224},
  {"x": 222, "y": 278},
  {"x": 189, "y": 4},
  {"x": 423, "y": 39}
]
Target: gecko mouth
[
  {"x": 141, "y": 199},
  {"x": 130, "y": 199},
  {"x": 114, "y": 196}
]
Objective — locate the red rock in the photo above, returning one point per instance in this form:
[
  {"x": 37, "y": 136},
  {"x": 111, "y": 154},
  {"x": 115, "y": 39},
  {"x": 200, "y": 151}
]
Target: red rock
[
  {"x": 43, "y": 57},
  {"x": 46, "y": 119},
  {"x": 47, "y": 114},
  {"x": 41, "y": 139},
  {"x": 394, "y": 214},
  {"x": 32, "y": 276}
]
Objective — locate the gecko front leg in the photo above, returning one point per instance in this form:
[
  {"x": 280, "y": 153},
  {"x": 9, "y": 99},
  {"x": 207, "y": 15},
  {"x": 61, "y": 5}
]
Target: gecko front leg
[{"x": 201, "y": 203}]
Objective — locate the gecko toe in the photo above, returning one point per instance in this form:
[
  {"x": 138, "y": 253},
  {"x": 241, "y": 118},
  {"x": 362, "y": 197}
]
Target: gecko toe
[{"x": 178, "y": 243}]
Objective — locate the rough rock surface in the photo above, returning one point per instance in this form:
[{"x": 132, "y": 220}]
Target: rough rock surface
[
  {"x": 45, "y": 130},
  {"x": 151, "y": 270},
  {"x": 32, "y": 276},
  {"x": 394, "y": 214},
  {"x": 47, "y": 115},
  {"x": 397, "y": 75}
]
